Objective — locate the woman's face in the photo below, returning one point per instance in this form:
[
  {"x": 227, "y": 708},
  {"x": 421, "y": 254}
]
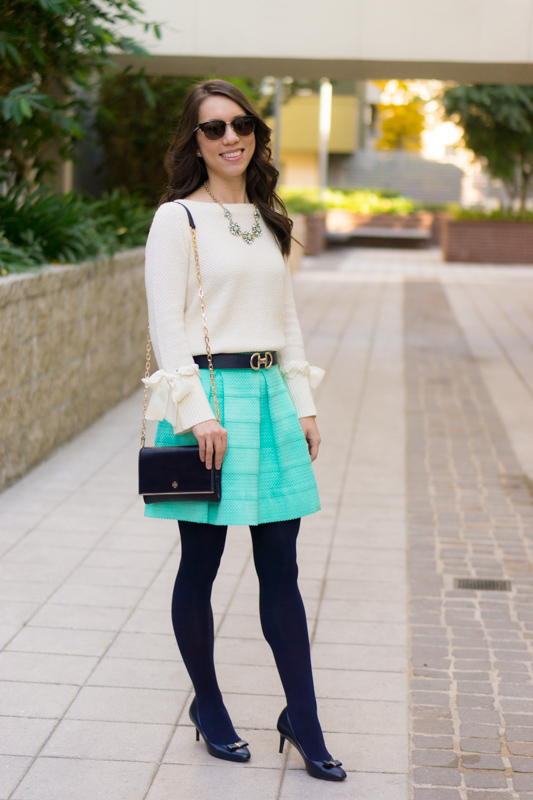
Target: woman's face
[{"x": 227, "y": 157}]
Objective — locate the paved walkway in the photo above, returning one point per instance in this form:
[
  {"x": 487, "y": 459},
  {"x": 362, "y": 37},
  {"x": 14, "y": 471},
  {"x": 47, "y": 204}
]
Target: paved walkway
[{"x": 425, "y": 689}]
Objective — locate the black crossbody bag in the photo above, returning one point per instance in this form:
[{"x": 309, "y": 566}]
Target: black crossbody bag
[{"x": 170, "y": 474}]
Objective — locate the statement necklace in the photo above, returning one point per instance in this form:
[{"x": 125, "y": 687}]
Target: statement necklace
[{"x": 234, "y": 227}]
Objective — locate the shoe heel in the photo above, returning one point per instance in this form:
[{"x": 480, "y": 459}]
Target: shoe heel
[
  {"x": 281, "y": 743},
  {"x": 197, "y": 735}
]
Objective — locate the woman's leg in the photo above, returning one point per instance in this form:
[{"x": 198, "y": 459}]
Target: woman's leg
[
  {"x": 192, "y": 617},
  {"x": 285, "y": 628}
]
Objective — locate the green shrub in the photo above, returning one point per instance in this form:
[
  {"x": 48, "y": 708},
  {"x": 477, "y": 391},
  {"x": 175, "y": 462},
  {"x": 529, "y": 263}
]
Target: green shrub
[
  {"x": 125, "y": 217},
  {"x": 503, "y": 214},
  {"x": 302, "y": 201},
  {"x": 358, "y": 201},
  {"x": 17, "y": 259},
  {"x": 41, "y": 227},
  {"x": 58, "y": 224},
  {"x": 435, "y": 208},
  {"x": 370, "y": 201}
]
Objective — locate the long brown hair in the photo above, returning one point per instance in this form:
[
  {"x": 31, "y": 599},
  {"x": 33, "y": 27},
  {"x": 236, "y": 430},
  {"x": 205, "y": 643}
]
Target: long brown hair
[{"x": 186, "y": 171}]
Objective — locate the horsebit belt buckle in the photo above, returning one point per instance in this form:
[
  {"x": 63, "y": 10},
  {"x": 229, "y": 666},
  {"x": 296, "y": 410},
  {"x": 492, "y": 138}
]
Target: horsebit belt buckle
[{"x": 261, "y": 361}]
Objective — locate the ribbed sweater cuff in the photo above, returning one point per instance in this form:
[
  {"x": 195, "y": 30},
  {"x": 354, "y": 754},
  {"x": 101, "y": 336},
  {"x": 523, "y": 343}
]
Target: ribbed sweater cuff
[
  {"x": 194, "y": 407},
  {"x": 300, "y": 394}
]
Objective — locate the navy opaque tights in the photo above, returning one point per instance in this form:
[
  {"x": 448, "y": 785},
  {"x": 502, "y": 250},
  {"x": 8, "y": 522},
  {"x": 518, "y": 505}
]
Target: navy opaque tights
[{"x": 282, "y": 619}]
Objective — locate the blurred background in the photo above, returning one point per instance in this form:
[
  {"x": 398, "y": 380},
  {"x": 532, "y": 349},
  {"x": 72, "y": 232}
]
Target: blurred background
[
  {"x": 392, "y": 113},
  {"x": 392, "y": 126}
]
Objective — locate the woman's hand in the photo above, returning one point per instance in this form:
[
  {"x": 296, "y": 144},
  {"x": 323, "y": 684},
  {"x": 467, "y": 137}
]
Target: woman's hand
[
  {"x": 311, "y": 434},
  {"x": 213, "y": 441}
]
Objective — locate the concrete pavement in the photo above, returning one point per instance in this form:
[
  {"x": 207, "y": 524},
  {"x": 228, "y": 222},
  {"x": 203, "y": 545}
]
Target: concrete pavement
[{"x": 425, "y": 690}]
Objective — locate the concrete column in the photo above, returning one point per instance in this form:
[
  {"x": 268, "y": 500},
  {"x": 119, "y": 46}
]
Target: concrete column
[
  {"x": 326, "y": 92},
  {"x": 361, "y": 111},
  {"x": 278, "y": 99}
]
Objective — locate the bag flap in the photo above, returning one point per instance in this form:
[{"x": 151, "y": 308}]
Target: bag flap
[{"x": 164, "y": 470}]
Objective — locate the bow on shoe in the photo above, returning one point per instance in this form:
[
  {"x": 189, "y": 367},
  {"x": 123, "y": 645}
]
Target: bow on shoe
[
  {"x": 232, "y": 747},
  {"x": 331, "y": 764}
]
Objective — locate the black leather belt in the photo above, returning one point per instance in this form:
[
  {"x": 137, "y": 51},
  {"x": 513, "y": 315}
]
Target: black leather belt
[{"x": 239, "y": 360}]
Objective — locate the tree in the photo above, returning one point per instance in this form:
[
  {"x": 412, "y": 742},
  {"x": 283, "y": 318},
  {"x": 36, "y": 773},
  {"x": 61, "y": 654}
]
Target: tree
[
  {"x": 402, "y": 121},
  {"x": 497, "y": 122},
  {"x": 50, "y": 52}
]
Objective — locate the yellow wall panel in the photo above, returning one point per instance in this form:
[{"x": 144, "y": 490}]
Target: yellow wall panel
[
  {"x": 299, "y": 124},
  {"x": 343, "y": 125}
]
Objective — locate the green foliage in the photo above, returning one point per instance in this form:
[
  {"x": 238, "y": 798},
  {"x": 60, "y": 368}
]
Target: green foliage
[
  {"x": 58, "y": 224},
  {"x": 301, "y": 201},
  {"x": 498, "y": 127},
  {"x": 370, "y": 201},
  {"x": 125, "y": 218},
  {"x": 50, "y": 51},
  {"x": 17, "y": 259},
  {"x": 135, "y": 123},
  {"x": 358, "y": 201},
  {"x": 135, "y": 129},
  {"x": 436, "y": 208},
  {"x": 40, "y": 227},
  {"x": 500, "y": 214}
]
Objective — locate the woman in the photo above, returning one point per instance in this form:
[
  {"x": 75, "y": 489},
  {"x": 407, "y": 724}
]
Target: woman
[{"x": 219, "y": 167}]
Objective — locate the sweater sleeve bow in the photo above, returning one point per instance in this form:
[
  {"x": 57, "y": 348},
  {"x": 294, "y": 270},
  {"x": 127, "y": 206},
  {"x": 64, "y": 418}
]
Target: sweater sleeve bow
[
  {"x": 313, "y": 374},
  {"x": 168, "y": 391}
]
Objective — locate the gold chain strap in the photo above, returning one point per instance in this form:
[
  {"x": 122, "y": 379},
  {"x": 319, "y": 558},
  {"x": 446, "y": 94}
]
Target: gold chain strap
[
  {"x": 146, "y": 375},
  {"x": 204, "y": 322},
  {"x": 206, "y": 339}
]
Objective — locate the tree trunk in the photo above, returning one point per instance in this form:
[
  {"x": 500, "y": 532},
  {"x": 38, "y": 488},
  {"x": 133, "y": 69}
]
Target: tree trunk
[
  {"x": 511, "y": 190},
  {"x": 525, "y": 175}
]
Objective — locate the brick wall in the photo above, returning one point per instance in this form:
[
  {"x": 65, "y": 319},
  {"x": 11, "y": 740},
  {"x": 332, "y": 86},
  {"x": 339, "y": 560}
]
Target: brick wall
[
  {"x": 299, "y": 232},
  {"x": 72, "y": 345},
  {"x": 487, "y": 242}
]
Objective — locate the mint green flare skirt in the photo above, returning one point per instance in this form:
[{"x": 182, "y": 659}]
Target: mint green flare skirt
[{"x": 267, "y": 474}]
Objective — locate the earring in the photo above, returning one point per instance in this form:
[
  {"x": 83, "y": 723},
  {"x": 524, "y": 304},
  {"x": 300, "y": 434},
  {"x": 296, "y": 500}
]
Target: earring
[{"x": 198, "y": 154}]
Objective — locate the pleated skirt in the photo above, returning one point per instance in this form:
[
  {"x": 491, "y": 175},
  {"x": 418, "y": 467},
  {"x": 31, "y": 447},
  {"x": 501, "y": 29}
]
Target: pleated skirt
[{"x": 266, "y": 474}]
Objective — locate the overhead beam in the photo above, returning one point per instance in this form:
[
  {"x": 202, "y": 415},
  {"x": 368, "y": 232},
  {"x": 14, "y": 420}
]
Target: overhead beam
[{"x": 335, "y": 69}]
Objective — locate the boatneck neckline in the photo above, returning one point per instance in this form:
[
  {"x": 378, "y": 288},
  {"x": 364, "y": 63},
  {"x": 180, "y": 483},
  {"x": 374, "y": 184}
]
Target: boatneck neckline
[{"x": 213, "y": 205}]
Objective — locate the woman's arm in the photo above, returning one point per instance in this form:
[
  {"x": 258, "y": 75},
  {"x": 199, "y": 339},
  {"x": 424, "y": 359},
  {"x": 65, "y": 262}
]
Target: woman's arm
[{"x": 177, "y": 392}]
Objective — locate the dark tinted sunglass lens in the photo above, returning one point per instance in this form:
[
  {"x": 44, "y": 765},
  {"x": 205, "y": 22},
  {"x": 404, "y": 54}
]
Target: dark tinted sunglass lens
[
  {"x": 214, "y": 130},
  {"x": 244, "y": 126}
]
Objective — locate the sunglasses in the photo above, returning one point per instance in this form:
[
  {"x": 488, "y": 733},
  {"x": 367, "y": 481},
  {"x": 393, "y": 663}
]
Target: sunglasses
[{"x": 216, "y": 128}]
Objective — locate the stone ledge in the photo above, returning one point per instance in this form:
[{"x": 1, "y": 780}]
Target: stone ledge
[{"x": 71, "y": 347}]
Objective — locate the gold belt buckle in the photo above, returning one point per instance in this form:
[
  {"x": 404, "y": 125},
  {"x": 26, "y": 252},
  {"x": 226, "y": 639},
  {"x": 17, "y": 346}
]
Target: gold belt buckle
[{"x": 261, "y": 361}]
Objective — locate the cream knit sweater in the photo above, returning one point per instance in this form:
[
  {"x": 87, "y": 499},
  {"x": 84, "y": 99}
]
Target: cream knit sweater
[{"x": 248, "y": 300}]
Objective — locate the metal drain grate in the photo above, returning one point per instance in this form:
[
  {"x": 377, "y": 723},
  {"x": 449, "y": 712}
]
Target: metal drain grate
[{"x": 482, "y": 584}]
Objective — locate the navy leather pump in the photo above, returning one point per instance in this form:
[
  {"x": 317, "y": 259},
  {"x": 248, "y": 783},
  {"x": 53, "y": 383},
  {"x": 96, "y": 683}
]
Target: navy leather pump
[
  {"x": 327, "y": 770},
  {"x": 236, "y": 751}
]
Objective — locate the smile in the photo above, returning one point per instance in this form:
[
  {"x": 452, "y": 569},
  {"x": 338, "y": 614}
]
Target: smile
[{"x": 232, "y": 155}]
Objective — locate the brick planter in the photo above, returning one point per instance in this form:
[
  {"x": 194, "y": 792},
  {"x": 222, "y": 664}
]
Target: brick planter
[
  {"x": 299, "y": 231},
  {"x": 316, "y": 233},
  {"x": 341, "y": 221},
  {"x": 72, "y": 342},
  {"x": 436, "y": 227},
  {"x": 487, "y": 241}
]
